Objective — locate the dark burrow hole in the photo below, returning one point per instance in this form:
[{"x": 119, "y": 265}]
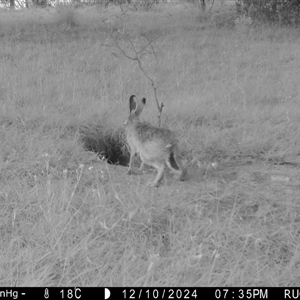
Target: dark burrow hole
[{"x": 110, "y": 144}]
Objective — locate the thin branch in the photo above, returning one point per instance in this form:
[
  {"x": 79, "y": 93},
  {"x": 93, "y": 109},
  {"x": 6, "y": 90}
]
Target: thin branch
[
  {"x": 212, "y": 4},
  {"x": 150, "y": 44},
  {"x": 137, "y": 57}
]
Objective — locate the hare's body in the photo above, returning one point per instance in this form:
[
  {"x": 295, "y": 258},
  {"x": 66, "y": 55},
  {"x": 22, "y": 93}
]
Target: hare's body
[{"x": 156, "y": 146}]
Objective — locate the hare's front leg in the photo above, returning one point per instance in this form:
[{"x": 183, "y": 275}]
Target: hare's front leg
[{"x": 130, "y": 169}]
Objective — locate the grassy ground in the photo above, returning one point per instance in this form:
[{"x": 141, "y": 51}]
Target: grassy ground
[{"x": 231, "y": 92}]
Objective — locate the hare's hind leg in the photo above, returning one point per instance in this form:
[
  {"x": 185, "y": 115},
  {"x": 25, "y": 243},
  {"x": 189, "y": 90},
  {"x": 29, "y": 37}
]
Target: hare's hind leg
[
  {"x": 141, "y": 168},
  {"x": 183, "y": 173},
  {"x": 160, "y": 167},
  {"x": 174, "y": 162}
]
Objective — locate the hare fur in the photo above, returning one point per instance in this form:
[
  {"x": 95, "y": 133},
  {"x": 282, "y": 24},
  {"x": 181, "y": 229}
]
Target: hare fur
[{"x": 156, "y": 146}]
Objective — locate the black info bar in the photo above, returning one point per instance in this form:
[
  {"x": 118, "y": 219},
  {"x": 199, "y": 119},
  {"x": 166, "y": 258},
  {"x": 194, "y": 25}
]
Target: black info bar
[{"x": 132, "y": 293}]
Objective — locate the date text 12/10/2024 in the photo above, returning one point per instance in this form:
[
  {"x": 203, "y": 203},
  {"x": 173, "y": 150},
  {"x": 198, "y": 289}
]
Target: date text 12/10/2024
[{"x": 210, "y": 293}]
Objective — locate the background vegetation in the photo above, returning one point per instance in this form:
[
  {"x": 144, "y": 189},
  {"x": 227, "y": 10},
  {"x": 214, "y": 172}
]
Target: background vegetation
[{"x": 230, "y": 85}]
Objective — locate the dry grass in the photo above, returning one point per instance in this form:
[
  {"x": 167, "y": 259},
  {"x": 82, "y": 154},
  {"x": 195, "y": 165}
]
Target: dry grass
[{"x": 230, "y": 92}]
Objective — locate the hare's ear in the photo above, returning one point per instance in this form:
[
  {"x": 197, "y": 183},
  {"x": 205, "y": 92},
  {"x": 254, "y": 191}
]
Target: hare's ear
[
  {"x": 132, "y": 103},
  {"x": 140, "y": 107}
]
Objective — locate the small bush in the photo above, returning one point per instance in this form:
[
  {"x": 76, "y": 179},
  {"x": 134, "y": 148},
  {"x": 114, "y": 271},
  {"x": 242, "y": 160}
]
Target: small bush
[
  {"x": 243, "y": 23},
  {"x": 66, "y": 15},
  {"x": 285, "y": 12},
  {"x": 144, "y": 4},
  {"x": 224, "y": 19}
]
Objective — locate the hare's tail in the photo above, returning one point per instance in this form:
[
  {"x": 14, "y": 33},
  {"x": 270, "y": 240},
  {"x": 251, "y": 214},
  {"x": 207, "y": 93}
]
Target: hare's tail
[
  {"x": 176, "y": 165},
  {"x": 172, "y": 164}
]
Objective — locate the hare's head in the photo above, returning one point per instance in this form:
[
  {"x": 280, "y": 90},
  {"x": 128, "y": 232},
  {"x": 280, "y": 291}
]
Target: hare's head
[{"x": 135, "y": 109}]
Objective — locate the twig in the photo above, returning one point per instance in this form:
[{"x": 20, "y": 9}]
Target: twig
[
  {"x": 212, "y": 4},
  {"x": 137, "y": 57}
]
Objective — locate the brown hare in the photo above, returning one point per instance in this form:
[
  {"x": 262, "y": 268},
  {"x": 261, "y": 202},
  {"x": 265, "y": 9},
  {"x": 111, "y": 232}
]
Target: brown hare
[{"x": 156, "y": 146}]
